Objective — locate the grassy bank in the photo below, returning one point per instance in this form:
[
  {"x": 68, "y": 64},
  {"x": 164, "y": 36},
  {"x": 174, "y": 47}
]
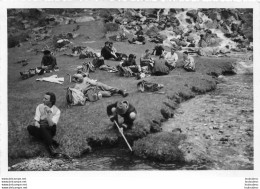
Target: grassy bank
[{"x": 81, "y": 127}]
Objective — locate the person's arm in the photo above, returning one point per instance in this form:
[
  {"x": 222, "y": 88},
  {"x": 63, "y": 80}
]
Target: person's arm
[
  {"x": 52, "y": 120},
  {"x": 37, "y": 117},
  {"x": 111, "y": 111}
]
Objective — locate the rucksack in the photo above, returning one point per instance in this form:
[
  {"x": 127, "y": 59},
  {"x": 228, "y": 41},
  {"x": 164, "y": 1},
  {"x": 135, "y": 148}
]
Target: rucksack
[
  {"x": 144, "y": 86},
  {"x": 92, "y": 94},
  {"x": 97, "y": 62},
  {"x": 75, "y": 97}
]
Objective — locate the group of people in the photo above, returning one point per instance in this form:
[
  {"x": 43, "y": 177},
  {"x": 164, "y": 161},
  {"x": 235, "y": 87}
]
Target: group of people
[
  {"x": 161, "y": 66},
  {"x": 47, "y": 114}
]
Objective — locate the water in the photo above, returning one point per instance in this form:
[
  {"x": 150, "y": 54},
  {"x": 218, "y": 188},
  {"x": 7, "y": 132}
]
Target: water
[{"x": 123, "y": 159}]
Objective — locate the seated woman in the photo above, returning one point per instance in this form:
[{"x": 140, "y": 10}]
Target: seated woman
[
  {"x": 83, "y": 84},
  {"x": 129, "y": 67},
  {"x": 160, "y": 67},
  {"x": 189, "y": 63},
  {"x": 146, "y": 61},
  {"x": 119, "y": 56}
]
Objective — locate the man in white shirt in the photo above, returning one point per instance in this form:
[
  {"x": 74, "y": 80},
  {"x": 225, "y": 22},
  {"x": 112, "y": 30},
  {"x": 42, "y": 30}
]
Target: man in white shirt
[
  {"x": 171, "y": 58},
  {"x": 46, "y": 118},
  {"x": 189, "y": 63}
]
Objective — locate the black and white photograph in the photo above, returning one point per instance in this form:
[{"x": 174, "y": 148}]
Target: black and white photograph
[{"x": 130, "y": 89}]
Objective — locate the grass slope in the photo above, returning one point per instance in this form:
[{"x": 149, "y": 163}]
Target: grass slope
[{"x": 81, "y": 125}]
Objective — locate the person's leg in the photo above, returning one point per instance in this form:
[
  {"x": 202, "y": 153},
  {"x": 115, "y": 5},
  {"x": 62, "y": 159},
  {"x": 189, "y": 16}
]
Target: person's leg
[
  {"x": 113, "y": 90},
  {"x": 34, "y": 131},
  {"x": 47, "y": 133}
]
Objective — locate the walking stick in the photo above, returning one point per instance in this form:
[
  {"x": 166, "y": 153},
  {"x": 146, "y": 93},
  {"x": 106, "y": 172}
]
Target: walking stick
[{"x": 123, "y": 136}]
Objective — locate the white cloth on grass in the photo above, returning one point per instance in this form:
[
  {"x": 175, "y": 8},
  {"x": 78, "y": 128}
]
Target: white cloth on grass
[{"x": 53, "y": 79}]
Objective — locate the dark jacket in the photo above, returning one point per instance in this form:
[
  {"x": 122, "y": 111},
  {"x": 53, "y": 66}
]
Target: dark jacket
[
  {"x": 160, "y": 67},
  {"x": 106, "y": 53},
  {"x": 49, "y": 61},
  {"x": 130, "y": 109}
]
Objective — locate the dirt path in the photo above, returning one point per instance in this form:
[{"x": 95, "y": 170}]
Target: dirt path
[{"x": 224, "y": 118}]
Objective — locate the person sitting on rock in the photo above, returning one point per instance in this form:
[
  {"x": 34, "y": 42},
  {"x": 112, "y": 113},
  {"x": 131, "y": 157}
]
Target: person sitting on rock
[
  {"x": 158, "y": 50},
  {"x": 146, "y": 61},
  {"x": 129, "y": 65},
  {"x": 46, "y": 119},
  {"x": 107, "y": 53},
  {"x": 83, "y": 84},
  {"x": 125, "y": 110},
  {"x": 171, "y": 58},
  {"x": 160, "y": 67},
  {"x": 139, "y": 39},
  {"x": 189, "y": 63},
  {"x": 48, "y": 62}
]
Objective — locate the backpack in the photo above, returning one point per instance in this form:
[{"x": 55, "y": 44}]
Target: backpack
[
  {"x": 144, "y": 86},
  {"x": 75, "y": 97},
  {"x": 92, "y": 94},
  {"x": 97, "y": 62}
]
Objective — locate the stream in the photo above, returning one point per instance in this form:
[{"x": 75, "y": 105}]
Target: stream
[{"x": 234, "y": 95}]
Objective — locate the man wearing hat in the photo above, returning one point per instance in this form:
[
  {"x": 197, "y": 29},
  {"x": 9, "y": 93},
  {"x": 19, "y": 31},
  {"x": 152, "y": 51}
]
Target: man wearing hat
[
  {"x": 125, "y": 110},
  {"x": 85, "y": 83},
  {"x": 48, "y": 61},
  {"x": 171, "y": 58}
]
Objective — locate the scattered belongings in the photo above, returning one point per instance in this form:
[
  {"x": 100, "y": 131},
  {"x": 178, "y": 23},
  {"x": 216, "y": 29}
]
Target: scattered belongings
[
  {"x": 108, "y": 68},
  {"x": 23, "y": 62},
  {"x": 145, "y": 86},
  {"x": 52, "y": 79}
]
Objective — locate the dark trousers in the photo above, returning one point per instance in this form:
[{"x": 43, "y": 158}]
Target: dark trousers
[
  {"x": 127, "y": 120},
  {"x": 44, "y": 133}
]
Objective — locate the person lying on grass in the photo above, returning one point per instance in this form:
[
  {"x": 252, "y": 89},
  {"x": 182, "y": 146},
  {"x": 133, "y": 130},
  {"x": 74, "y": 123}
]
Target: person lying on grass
[
  {"x": 161, "y": 67},
  {"x": 125, "y": 110},
  {"x": 171, "y": 58},
  {"x": 48, "y": 62},
  {"x": 46, "y": 119},
  {"x": 83, "y": 84},
  {"x": 129, "y": 65},
  {"x": 188, "y": 61}
]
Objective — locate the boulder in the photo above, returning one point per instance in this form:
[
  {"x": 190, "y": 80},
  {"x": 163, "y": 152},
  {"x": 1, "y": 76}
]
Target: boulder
[{"x": 193, "y": 14}]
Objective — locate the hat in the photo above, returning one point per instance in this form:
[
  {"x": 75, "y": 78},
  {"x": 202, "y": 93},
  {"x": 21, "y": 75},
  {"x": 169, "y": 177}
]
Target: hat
[
  {"x": 46, "y": 52},
  {"x": 122, "y": 107},
  {"x": 78, "y": 78}
]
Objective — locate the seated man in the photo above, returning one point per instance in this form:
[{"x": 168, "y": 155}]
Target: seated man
[
  {"x": 189, "y": 63},
  {"x": 129, "y": 65},
  {"x": 119, "y": 56},
  {"x": 48, "y": 62},
  {"x": 83, "y": 84},
  {"x": 158, "y": 50},
  {"x": 160, "y": 67},
  {"x": 125, "y": 110},
  {"x": 106, "y": 52},
  {"x": 46, "y": 118},
  {"x": 171, "y": 58},
  {"x": 146, "y": 60}
]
